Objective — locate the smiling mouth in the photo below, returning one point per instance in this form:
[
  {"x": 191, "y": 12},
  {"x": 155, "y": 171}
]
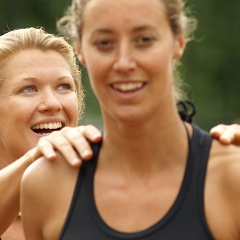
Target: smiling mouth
[
  {"x": 127, "y": 87},
  {"x": 47, "y": 128}
]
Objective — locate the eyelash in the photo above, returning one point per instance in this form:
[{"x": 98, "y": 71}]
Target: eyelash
[
  {"x": 145, "y": 39},
  {"x": 68, "y": 87},
  {"x": 34, "y": 89},
  {"x": 27, "y": 87},
  {"x": 106, "y": 44}
]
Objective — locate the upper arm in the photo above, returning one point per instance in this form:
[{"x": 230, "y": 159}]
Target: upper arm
[
  {"x": 31, "y": 197},
  {"x": 46, "y": 193}
]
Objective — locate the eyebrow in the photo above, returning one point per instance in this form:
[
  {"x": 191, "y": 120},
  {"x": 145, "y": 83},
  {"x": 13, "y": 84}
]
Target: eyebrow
[
  {"x": 137, "y": 29},
  {"x": 144, "y": 27},
  {"x": 33, "y": 79},
  {"x": 27, "y": 79}
]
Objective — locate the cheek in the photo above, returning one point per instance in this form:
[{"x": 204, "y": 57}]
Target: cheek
[
  {"x": 16, "y": 109},
  {"x": 161, "y": 66},
  {"x": 70, "y": 105},
  {"x": 98, "y": 73}
]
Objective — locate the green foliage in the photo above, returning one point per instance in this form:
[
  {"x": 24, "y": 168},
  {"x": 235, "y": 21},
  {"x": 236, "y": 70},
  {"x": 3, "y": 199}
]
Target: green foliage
[
  {"x": 31, "y": 13},
  {"x": 16, "y": 14},
  {"x": 210, "y": 63}
]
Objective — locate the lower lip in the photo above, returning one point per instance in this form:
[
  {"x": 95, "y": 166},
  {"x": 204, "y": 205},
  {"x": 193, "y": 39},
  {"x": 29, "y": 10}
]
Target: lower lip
[
  {"x": 42, "y": 135},
  {"x": 127, "y": 94}
]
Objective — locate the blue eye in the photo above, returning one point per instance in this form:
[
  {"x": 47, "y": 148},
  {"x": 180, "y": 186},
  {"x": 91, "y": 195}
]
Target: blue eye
[
  {"x": 64, "y": 87},
  {"x": 28, "y": 89}
]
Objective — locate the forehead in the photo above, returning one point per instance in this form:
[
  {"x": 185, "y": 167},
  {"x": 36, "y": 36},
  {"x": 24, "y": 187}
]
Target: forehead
[
  {"x": 28, "y": 60},
  {"x": 123, "y": 11},
  {"x": 24, "y": 57},
  {"x": 27, "y": 65}
]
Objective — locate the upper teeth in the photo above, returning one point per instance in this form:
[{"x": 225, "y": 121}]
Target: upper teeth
[
  {"x": 127, "y": 86},
  {"x": 48, "y": 126}
]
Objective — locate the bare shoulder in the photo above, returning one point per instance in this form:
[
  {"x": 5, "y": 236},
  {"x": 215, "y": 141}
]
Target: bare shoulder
[
  {"x": 46, "y": 193},
  {"x": 42, "y": 176},
  {"x": 43, "y": 170},
  {"x": 222, "y": 191}
]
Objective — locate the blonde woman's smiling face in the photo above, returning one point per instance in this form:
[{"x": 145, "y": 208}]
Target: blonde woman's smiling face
[
  {"x": 36, "y": 97},
  {"x": 129, "y": 50}
]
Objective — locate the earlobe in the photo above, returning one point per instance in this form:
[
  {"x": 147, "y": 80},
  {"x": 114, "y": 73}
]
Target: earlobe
[
  {"x": 79, "y": 54},
  {"x": 81, "y": 59},
  {"x": 179, "y": 47}
]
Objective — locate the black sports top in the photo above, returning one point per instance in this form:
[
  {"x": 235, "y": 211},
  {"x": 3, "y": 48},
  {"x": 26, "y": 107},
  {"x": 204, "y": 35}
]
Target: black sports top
[{"x": 184, "y": 221}]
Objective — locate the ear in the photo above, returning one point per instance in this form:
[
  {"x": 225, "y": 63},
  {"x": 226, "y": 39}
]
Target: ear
[
  {"x": 180, "y": 44},
  {"x": 79, "y": 52}
]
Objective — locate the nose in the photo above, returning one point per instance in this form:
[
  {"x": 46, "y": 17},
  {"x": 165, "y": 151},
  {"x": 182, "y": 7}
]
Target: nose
[
  {"x": 124, "y": 62},
  {"x": 49, "y": 102}
]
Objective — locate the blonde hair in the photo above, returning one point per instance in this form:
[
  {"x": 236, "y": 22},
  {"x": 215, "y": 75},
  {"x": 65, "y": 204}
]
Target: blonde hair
[
  {"x": 32, "y": 38},
  {"x": 177, "y": 13}
]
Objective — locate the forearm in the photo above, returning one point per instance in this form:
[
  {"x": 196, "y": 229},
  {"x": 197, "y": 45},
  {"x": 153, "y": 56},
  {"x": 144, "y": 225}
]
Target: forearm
[{"x": 10, "y": 178}]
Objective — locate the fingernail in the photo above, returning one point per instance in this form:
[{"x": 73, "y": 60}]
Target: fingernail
[
  {"x": 75, "y": 160},
  {"x": 51, "y": 156},
  {"x": 97, "y": 135},
  {"x": 86, "y": 153}
]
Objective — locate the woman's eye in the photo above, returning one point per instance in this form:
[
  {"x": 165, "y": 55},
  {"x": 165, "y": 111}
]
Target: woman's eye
[
  {"x": 104, "y": 44},
  {"x": 28, "y": 89},
  {"x": 64, "y": 87},
  {"x": 145, "y": 40}
]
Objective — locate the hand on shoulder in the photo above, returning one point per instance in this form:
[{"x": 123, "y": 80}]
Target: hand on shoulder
[{"x": 227, "y": 134}]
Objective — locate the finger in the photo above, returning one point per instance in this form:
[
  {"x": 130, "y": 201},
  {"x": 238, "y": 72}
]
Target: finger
[
  {"x": 77, "y": 137},
  {"x": 91, "y": 133},
  {"x": 218, "y": 130},
  {"x": 57, "y": 141},
  {"x": 232, "y": 134},
  {"x": 46, "y": 148},
  {"x": 226, "y": 137}
]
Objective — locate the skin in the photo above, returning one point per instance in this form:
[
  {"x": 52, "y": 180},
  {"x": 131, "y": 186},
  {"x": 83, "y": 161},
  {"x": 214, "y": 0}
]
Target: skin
[
  {"x": 68, "y": 139},
  {"x": 121, "y": 48},
  {"x": 37, "y": 85},
  {"x": 21, "y": 65},
  {"x": 227, "y": 134},
  {"x": 39, "y": 89}
]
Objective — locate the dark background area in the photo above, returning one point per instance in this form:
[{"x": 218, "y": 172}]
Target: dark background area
[{"x": 210, "y": 63}]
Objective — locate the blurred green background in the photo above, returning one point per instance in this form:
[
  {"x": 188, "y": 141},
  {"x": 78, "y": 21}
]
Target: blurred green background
[{"x": 210, "y": 63}]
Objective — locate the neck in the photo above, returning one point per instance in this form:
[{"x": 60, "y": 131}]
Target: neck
[{"x": 157, "y": 142}]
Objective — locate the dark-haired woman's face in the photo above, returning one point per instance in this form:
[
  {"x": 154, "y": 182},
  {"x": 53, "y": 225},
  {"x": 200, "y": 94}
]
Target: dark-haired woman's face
[{"x": 129, "y": 51}]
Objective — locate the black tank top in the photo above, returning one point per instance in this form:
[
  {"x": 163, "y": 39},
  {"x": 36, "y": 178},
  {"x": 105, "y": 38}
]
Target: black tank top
[{"x": 184, "y": 221}]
